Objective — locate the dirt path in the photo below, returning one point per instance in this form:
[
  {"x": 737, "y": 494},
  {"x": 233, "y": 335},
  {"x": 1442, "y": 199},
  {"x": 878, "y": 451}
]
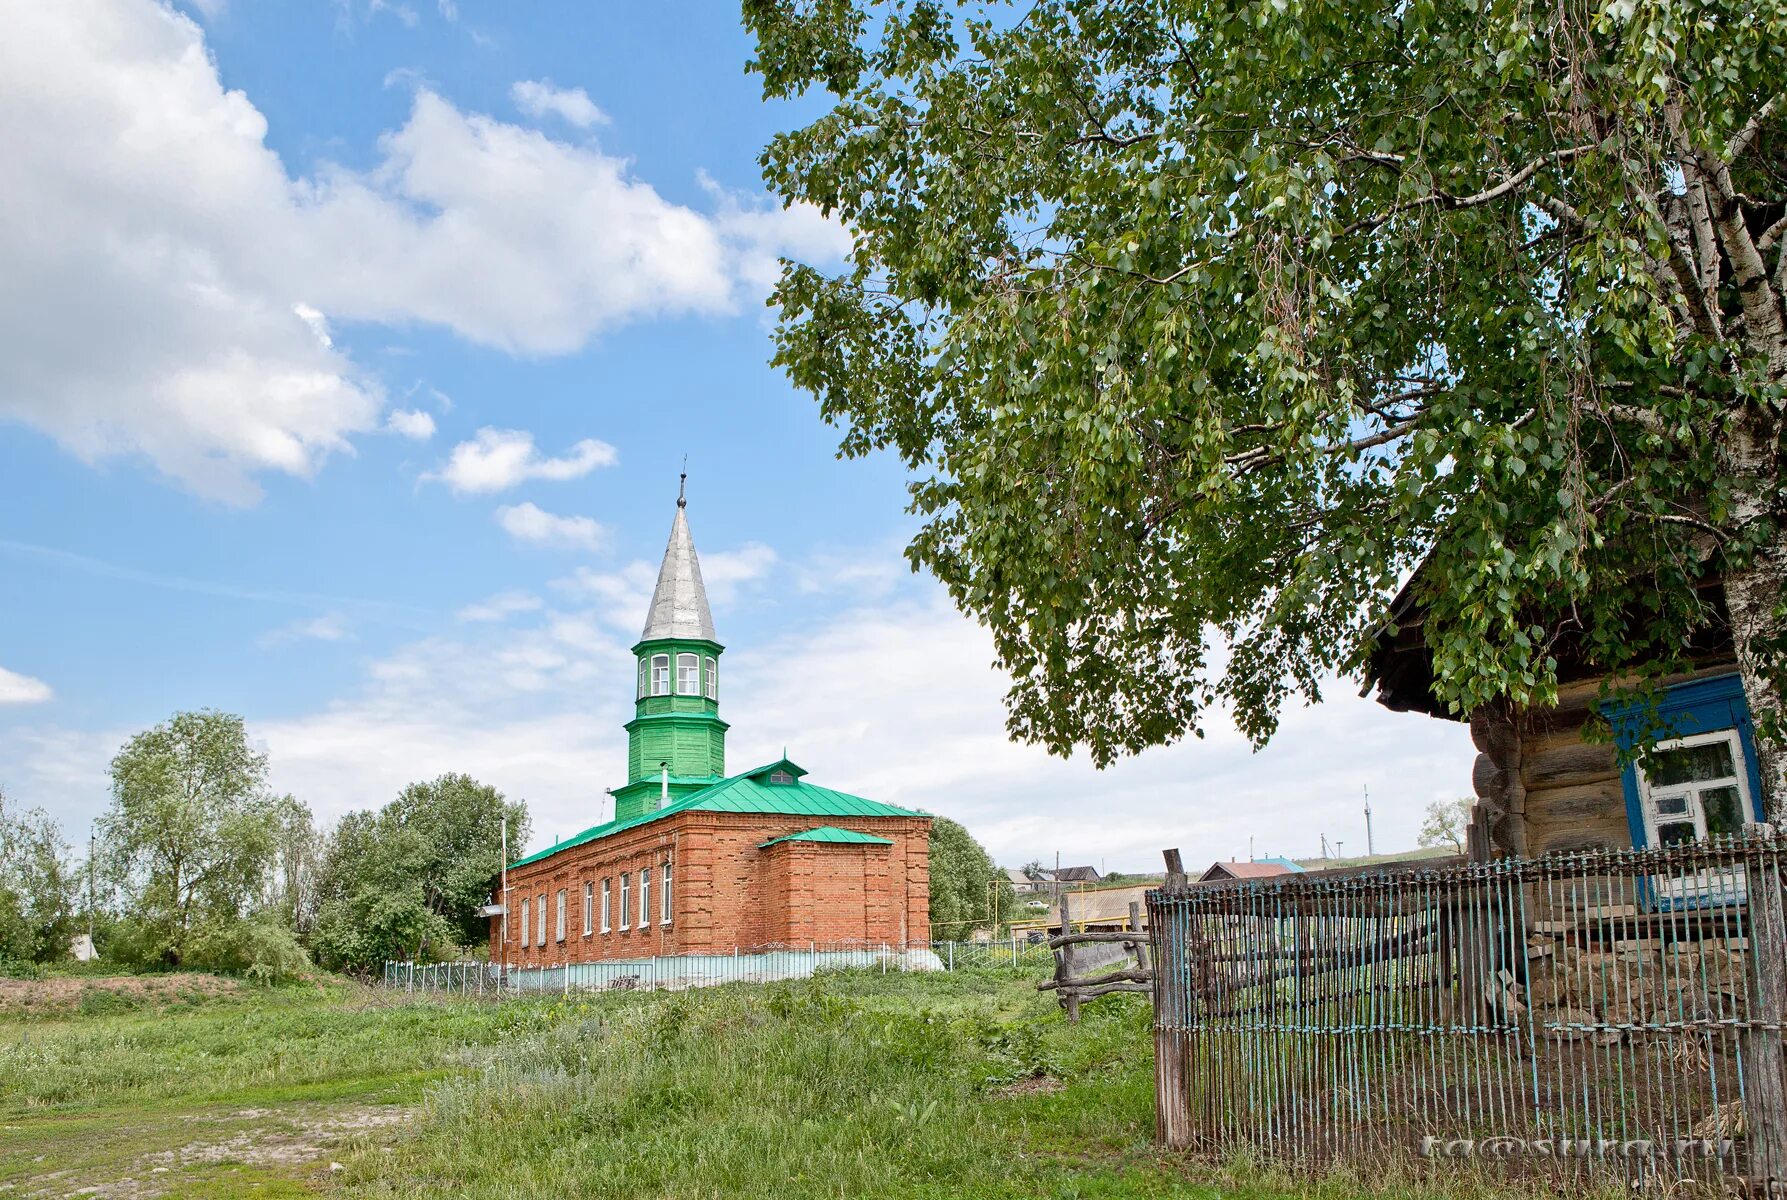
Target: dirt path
[{"x": 219, "y": 1151}]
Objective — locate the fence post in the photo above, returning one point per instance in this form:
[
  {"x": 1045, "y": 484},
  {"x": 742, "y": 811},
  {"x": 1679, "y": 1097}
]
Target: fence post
[
  {"x": 1765, "y": 1100},
  {"x": 1070, "y": 998},
  {"x": 1172, "y": 1042}
]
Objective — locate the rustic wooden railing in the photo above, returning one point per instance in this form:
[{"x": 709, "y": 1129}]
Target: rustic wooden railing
[{"x": 1077, "y": 963}]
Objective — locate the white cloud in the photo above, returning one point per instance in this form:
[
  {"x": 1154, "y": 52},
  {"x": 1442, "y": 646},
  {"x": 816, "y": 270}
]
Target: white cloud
[
  {"x": 22, "y": 689},
  {"x": 169, "y": 283},
  {"x": 725, "y": 570},
  {"x": 498, "y": 459},
  {"x": 537, "y": 98},
  {"x": 500, "y": 607},
  {"x": 331, "y": 627},
  {"x": 528, "y": 522},
  {"x": 410, "y": 423}
]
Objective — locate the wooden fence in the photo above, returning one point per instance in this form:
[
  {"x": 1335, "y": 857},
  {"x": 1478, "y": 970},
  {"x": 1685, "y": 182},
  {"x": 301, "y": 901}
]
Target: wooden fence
[
  {"x": 1082, "y": 959},
  {"x": 1580, "y": 1017}
]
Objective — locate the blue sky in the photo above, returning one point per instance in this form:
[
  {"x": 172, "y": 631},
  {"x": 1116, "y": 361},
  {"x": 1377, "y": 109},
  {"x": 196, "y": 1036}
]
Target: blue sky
[{"x": 349, "y": 356}]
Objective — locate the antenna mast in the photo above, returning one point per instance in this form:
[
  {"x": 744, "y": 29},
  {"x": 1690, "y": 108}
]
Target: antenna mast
[{"x": 1370, "y": 845}]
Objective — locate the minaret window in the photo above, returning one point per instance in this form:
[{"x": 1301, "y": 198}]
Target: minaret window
[
  {"x": 688, "y": 682},
  {"x": 660, "y": 674},
  {"x": 644, "y": 677},
  {"x": 713, "y": 679}
]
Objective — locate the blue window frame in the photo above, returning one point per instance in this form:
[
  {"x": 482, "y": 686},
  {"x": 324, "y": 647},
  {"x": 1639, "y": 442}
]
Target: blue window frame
[{"x": 1686, "y": 723}]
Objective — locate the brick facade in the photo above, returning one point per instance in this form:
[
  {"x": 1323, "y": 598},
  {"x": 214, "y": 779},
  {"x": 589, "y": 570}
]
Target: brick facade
[{"x": 727, "y": 889}]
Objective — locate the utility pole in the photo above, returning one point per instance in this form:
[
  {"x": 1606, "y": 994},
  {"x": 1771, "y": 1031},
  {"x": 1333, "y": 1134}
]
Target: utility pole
[
  {"x": 90, "y": 892},
  {"x": 1370, "y": 845},
  {"x": 505, "y": 872}
]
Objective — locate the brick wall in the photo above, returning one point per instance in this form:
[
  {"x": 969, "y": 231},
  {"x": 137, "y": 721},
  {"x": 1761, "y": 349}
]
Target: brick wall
[{"x": 727, "y": 891}]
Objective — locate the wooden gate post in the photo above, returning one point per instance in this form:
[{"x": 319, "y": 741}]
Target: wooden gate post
[
  {"x": 1765, "y": 1098},
  {"x": 1172, "y": 1041},
  {"x": 1070, "y": 997}
]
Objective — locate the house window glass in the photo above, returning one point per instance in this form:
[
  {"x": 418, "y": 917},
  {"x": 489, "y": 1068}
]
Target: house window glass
[
  {"x": 688, "y": 675},
  {"x": 558, "y": 925},
  {"x": 626, "y": 895},
  {"x": 541, "y": 938},
  {"x": 645, "y": 897},
  {"x": 1694, "y": 788},
  {"x": 780, "y": 777},
  {"x": 664, "y": 895},
  {"x": 713, "y": 679},
  {"x": 606, "y": 926},
  {"x": 660, "y": 674},
  {"x": 521, "y": 929},
  {"x": 589, "y": 915}
]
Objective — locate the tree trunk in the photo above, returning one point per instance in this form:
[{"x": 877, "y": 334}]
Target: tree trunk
[{"x": 1756, "y": 598}]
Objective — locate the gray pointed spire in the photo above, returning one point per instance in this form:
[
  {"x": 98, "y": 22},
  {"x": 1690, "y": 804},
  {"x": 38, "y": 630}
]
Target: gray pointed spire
[{"x": 679, "y": 602}]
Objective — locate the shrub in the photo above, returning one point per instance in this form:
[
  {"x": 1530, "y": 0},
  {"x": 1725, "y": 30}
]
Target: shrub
[{"x": 260, "y": 948}]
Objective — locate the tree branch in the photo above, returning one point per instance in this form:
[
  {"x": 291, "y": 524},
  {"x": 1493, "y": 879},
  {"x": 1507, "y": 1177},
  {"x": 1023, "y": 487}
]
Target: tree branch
[{"x": 1447, "y": 200}]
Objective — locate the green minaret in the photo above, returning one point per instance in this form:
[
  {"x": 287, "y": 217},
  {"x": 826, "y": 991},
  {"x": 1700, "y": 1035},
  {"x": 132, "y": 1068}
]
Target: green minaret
[{"x": 676, "y": 742}]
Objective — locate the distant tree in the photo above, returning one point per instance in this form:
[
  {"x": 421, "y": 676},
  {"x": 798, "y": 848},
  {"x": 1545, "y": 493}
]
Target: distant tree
[
  {"x": 290, "y": 891},
  {"x": 37, "y": 887},
  {"x": 967, "y": 891},
  {"x": 1446, "y": 822},
  {"x": 404, "y": 882},
  {"x": 190, "y": 834}
]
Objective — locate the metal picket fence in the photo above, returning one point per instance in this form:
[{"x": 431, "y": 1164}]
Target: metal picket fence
[
  {"x": 1608, "y": 1015},
  {"x": 675, "y": 972}
]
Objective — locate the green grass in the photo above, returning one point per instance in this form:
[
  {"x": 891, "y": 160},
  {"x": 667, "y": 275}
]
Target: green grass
[{"x": 853, "y": 1084}]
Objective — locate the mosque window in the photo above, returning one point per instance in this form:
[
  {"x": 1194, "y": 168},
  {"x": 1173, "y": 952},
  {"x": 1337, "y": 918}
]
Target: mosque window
[
  {"x": 660, "y": 674},
  {"x": 780, "y": 777},
  {"x": 713, "y": 679},
  {"x": 644, "y": 676},
  {"x": 687, "y": 681}
]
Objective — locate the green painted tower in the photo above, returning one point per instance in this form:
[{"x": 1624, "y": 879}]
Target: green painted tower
[{"x": 676, "y": 741}]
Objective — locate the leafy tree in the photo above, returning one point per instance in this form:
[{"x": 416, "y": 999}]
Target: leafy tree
[
  {"x": 191, "y": 831},
  {"x": 967, "y": 891},
  {"x": 1446, "y": 822},
  {"x": 404, "y": 883},
  {"x": 290, "y": 888},
  {"x": 1200, "y": 324},
  {"x": 37, "y": 887}
]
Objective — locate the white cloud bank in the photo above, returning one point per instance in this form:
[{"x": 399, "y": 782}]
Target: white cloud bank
[
  {"x": 23, "y": 689},
  {"x": 168, "y": 279},
  {"x": 894, "y": 700}
]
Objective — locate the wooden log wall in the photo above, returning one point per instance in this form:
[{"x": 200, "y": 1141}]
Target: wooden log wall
[{"x": 1546, "y": 788}]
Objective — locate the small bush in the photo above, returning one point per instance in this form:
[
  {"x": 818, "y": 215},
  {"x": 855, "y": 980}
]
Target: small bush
[
  {"x": 260, "y": 949},
  {"x": 16, "y": 968}
]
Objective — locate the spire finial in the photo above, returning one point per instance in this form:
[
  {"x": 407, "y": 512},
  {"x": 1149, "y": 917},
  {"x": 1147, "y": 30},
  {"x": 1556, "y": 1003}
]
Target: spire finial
[{"x": 682, "y": 485}]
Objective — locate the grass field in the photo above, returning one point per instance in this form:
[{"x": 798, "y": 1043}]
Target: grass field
[{"x": 848, "y": 1085}]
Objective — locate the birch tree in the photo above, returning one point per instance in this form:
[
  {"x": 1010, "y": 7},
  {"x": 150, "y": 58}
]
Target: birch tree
[{"x": 1199, "y": 325}]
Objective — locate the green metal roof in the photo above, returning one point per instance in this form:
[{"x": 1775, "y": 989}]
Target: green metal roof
[
  {"x": 834, "y": 835},
  {"x": 742, "y": 794}
]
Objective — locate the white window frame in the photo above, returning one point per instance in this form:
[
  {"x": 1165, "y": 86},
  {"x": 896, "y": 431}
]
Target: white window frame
[
  {"x": 645, "y": 897},
  {"x": 626, "y": 896},
  {"x": 589, "y": 907},
  {"x": 558, "y": 922},
  {"x": 664, "y": 902},
  {"x": 645, "y": 677},
  {"x": 1693, "y": 789},
  {"x": 607, "y": 926},
  {"x": 688, "y": 674},
  {"x": 660, "y": 674},
  {"x": 521, "y": 931},
  {"x": 541, "y": 940},
  {"x": 713, "y": 679}
]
